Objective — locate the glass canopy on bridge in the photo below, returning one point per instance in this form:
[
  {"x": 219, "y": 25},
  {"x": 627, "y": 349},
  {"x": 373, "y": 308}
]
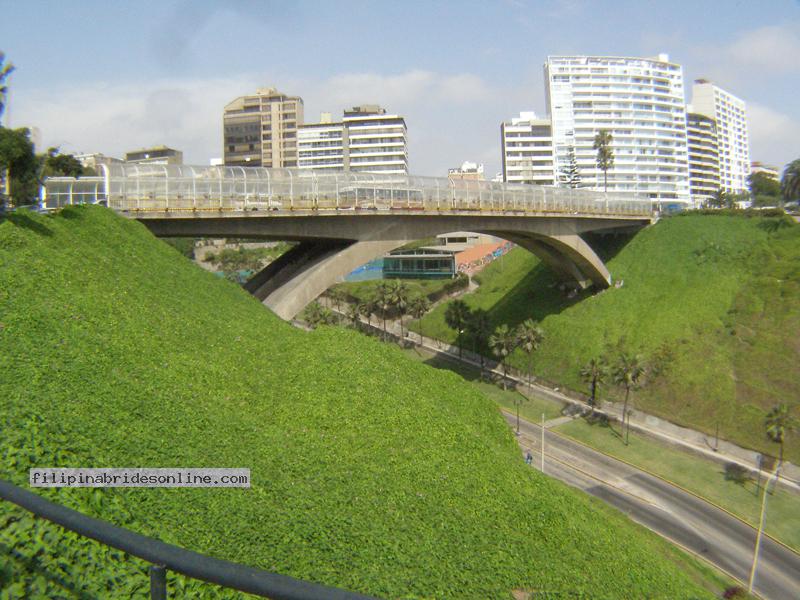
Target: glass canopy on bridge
[{"x": 148, "y": 189}]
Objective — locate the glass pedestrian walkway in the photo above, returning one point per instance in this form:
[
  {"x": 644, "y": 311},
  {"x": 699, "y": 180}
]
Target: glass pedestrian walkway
[{"x": 148, "y": 189}]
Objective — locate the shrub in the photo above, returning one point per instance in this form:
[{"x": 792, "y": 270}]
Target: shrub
[{"x": 737, "y": 473}]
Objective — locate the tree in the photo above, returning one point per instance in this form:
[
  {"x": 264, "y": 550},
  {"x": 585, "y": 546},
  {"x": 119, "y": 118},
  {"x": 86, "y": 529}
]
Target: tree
[
  {"x": 479, "y": 327},
  {"x": 502, "y": 343},
  {"x": 399, "y": 298},
  {"x": 605, "y": 156},
  {"x": 336, "y": 296},
  {"x": 779, "y": 423},
  {"x": 313, "y": 314},
  {"x": 718, "y": 200},
  {"x": 628, "y": 373},
  {"x": 572, "y": 175},
  {"x": 418, "y": 307},
  {"x": 20, "y": 164},
  {"x": 368, "y": 309},
  {"x": 234, "y": 261},
  {"x": 354, "y": 314},
  {"x": 5, "y": 73},
  {"x": 790, "y": 182},
  {"x": 61, "y": 165},
  {"x": 529, "y": 338},
  {"x": 761, "y": 184},
  {"x": 594, "y": 373},
  {"x": 456, "y": 317},
  {"x": 383, "y": 300}
]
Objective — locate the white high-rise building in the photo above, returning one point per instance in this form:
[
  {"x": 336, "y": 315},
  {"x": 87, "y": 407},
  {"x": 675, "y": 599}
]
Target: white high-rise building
[
  {"x": 730, "y": 114},
  {"x": 528, "y": 150},
  {"x": 703, "y": 157},
  {"x": 640, "y": 101},
  {"x": 367, "y": 139}
]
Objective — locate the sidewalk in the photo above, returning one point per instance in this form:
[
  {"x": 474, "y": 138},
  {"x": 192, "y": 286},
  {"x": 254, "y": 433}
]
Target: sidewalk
[{"x": 689, "y": 439}]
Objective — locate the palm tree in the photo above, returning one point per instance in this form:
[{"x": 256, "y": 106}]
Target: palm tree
[
  {"x": 605, "y": 156},
  {"x": 383, "y": 300},
  {"x": 456, "y": 316},
  {"x": 337, "y": 296},
  {"x": 530, "y": 336},
  {"x": 502, "y": 343},
  {"x": 368, "y": 309},
  {"x": 790, "y": 182},
  {"x": 313, "y": 314},
  {"x": 594, "y": 373},
  {"x": 778, "y": 424},
  {"x": 628, "y": 372},
  {"x": 418, "y": 307},
  {"x": 5, "y": 72},
  {"x": 354, "y": 314},
  {"x": 398, "y": 291},
  {"x": 480, "y": 328}
]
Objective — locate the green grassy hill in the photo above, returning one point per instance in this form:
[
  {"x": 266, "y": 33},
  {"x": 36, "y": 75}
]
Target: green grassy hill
[
  {"x": 370, "y": 471},
  {"x": 717, "y": 298}
]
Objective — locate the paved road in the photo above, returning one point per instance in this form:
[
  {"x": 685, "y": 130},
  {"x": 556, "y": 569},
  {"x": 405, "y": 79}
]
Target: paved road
[{"x": 674, "y": 514}]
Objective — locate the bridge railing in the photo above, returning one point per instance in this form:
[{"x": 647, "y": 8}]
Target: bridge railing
[
  {"x": 175, "y": 188},
  {"x": 165, "y": 557}
]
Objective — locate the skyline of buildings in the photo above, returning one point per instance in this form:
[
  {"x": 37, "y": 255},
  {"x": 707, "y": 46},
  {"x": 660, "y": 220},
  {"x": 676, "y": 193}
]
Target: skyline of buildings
[{"x": 664, "y": 147}]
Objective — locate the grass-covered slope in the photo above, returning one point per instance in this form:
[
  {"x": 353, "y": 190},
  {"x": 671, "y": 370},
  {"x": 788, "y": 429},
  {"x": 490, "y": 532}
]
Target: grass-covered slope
[
  {"x": 370, "y": 471},
  {"x": 714, "y": 299}
]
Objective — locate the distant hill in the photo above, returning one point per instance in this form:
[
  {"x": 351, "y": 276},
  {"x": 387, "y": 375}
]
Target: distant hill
[
  {"x": 370, "y": 472},
  {"x": 713, "y": 299}
]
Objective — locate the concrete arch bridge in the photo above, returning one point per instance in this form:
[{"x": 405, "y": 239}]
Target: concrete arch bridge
[{"x": 343, "y": 220}]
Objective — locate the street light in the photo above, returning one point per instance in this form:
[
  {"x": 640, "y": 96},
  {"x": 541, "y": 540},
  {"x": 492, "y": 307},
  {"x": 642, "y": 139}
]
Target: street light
[{"x": 761, "y": 528}]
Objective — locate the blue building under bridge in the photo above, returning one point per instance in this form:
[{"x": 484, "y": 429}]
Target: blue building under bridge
[{"x": 421, "y": 263}]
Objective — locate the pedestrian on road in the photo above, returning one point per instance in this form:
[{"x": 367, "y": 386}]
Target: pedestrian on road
[{"x": 528, "y": 458}]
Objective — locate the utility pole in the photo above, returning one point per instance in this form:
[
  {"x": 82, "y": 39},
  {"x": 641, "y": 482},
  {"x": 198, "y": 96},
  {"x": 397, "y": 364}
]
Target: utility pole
[
  {"x": 7, "y": 111},
  {"x": 760, "y": 530},
  {"x": 542, "y": 442}
]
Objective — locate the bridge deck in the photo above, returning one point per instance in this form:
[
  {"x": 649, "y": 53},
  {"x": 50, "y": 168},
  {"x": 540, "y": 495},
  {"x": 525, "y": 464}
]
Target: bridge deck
[{"x": 161, "y": 190}]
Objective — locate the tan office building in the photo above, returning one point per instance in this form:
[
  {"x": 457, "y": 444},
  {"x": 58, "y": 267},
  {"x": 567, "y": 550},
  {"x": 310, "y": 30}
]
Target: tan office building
[{"x": 261, "y": 130}]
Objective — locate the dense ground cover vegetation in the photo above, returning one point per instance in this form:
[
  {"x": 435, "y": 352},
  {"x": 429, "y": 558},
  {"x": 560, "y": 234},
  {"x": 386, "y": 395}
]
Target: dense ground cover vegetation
[
  {"x": 714, "y": 299},
  {"x": 370, "y": 471}
]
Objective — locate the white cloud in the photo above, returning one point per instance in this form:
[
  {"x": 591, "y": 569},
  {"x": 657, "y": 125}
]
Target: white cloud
[
  {"x": 773, "y": 135},
  {"x": 99, "y": 117},
  {"x": 754, "y": 56},
  {"x": 450, "y": 117},
  {"x": 775, "y": 49}
]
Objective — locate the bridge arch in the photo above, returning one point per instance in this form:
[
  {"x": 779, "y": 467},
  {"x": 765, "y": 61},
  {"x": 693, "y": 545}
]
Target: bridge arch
[{"x": 343, "y": 220}]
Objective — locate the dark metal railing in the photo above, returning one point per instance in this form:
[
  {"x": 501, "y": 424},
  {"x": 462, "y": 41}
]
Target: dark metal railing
[{"x": 166, "y": 557}]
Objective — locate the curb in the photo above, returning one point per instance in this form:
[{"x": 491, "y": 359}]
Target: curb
[
  {"x": 665, "y": 480},
  {"x": 661, "y": 535}
]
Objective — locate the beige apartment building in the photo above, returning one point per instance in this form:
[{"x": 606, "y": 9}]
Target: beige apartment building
[{"x": 260, "y": 130}]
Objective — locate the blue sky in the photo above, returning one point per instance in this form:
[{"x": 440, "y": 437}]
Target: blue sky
[{"x": 100, "y": 76}]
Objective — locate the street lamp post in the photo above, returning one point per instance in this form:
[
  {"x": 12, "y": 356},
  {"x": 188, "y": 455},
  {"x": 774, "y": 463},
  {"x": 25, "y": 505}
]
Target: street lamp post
[{"x": 761, "y": 529}]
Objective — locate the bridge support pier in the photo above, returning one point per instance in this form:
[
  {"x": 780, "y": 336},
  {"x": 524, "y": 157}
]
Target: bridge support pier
[{"x": 293, "y": 281}]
